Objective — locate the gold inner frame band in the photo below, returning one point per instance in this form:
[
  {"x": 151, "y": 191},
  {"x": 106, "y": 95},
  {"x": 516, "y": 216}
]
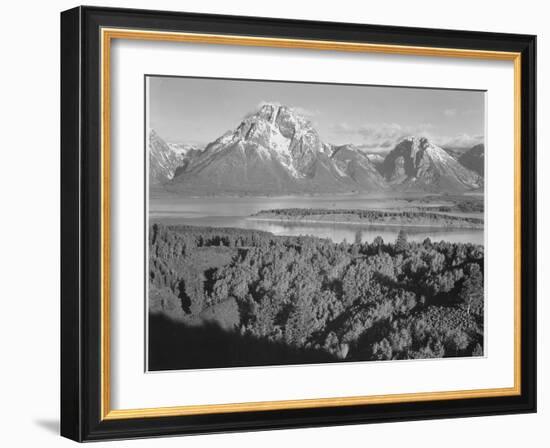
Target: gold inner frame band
[{"x": 107, "y": 35}]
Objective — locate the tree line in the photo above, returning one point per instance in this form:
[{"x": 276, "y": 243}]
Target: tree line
[{"x": 375, "y": 215}]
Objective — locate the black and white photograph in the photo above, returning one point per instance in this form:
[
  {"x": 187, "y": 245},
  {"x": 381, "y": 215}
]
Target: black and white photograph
[
  {"x": 274, "y": 220},
  {"x": 298, "y": 223}
]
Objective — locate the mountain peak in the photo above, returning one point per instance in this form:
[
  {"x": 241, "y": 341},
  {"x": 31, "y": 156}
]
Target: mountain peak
[
  {"x": 415, "y": 143},
  {"x": 269, "y": 106},
  {"x": 278, "y": 115},
  {"x": 417, "y": 140},
  {"x": 277, "y": 131},
  {"x": 415, "y": 162},
  {"x": 274, "y": 149}
]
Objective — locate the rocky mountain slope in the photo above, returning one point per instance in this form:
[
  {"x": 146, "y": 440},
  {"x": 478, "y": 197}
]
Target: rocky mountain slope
[
  {"x": 375, "y": 158},
  {"x": 273, "y": 151},
  {"x": 163, "y": 161},
  {"x": 359, "y": 167},
  {"x": 474, "y": 159},
  {"x": 166, "y": 159},
  {"x": 416, "y": 164}
]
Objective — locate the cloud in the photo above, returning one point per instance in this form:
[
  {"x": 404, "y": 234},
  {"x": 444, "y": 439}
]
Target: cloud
[
  {"x": 459, "y": 141},
  {"x": 383, "y": 137}
]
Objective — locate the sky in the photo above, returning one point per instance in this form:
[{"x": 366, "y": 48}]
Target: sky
[{"x": 199, "y": 110}]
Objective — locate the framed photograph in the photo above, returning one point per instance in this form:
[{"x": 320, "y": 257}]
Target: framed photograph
[{"x": 275, "y": 224}]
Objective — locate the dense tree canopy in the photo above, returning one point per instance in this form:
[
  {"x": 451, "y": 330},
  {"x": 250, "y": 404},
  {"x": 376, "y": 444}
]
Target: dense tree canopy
[{"x": 359, "y": 301}]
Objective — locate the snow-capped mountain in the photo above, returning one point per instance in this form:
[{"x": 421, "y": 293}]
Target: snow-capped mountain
[
  {"x": 272, "y": 151},
  {"x": 474, "y": 159},
  {"x": 417, "y": 164},
  {"x": 165, "y": 159},
  {"x": 277, "y": 151}
]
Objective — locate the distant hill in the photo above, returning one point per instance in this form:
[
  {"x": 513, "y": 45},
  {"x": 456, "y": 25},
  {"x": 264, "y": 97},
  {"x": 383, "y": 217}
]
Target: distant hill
[{"x": 474, "y": 159}]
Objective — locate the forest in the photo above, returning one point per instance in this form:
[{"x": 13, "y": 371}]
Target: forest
[
  {"x": 221, "y": 297},
  {"x": 423, "y": 217}
]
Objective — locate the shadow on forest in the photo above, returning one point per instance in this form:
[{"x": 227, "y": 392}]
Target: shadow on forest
[{"x": 177, "y": 345}]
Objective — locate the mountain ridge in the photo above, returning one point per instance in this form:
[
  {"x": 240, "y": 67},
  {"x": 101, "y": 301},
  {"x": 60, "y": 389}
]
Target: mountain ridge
[{"x": 275, "y": 150}]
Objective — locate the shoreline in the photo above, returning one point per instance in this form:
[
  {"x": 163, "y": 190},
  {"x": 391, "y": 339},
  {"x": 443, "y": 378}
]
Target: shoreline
[{"x": 368, "y": 224}]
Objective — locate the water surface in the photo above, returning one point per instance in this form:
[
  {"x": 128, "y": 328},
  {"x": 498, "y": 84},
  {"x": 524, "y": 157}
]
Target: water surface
[{"x": 235, "y": 211}]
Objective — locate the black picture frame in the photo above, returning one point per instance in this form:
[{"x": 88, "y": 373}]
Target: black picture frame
[{"x": 81, "y": 224}]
